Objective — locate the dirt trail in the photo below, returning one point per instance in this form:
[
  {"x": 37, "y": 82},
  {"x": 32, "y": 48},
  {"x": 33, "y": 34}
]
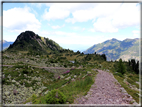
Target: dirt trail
[
  {"x": 41, "y": 67},
  {"x": 105, "y": 90}
]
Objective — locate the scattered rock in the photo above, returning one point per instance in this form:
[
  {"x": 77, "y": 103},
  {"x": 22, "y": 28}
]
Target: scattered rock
[
  {"x": 46, "y": 92},
  {"x": 73, "y": 79},
  {"x": 88, "y": 72},
  {"x": 68, "y": 78},
  {"x": 27, "y": 60},
  {"x": 29, "y": 103},
  {"x": 3, "y": 76},
  {"x": 15, "y": 92},
  {"x": 42, "y": 88},
  {"x": 13, "y": 81},
  {"x": 137, "y": 82},
  {"x": 61, "y": 76},
  {"x": 7, "y": 93},
  {"x": 39, "y": 91},
  {"x": 16, "y": 69}
]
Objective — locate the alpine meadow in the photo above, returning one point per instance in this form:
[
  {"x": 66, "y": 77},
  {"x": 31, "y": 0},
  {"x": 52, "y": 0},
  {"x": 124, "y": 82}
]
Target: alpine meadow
[{"x": 71, "y": 53}]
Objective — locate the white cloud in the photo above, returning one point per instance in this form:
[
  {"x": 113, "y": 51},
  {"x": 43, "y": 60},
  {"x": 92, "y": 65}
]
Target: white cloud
[
  {"x": 75, "y": 28},
  {"x": 91, "y": 30},
  {"x": 111, "y": 16},
  {"x": 70, "y": 20},
  {"x": 43, "y": 33},
  {"x": 127, "y": 15},
  {"x": 104, "y": 25},
  {"x": 136, "y": 33},
  {"x": 68, "y": 38},
  {"x": 93, "y": 11},
  {"x": 57, "y": 26},
  {"x": 55, "y": 13},
  {"x": 63, "y": 10},
  {"x": 20, "y": 19}
]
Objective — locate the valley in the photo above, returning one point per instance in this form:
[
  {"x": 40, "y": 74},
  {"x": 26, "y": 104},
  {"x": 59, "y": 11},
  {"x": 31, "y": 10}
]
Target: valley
[{"x": 36, "y": 70}]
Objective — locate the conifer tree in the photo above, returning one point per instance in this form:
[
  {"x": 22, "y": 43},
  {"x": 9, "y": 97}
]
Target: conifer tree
[{"x": 121, "y": 67}]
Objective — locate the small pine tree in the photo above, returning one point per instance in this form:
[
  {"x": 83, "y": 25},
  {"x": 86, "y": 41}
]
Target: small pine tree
[
  {"x": 137, "y": 67},
  {"x": 104, "y": 56},
  {"x": 129, "y": 63},
  {"x": 121, "y": 67},
  {"x": 133, "y": 64}
]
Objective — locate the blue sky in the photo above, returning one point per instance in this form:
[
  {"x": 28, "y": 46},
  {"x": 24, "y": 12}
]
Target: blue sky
[{"x": 76, "y": 26}]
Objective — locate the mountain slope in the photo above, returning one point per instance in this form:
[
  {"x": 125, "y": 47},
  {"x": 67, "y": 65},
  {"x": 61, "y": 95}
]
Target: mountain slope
[
  {"x": 29, "y": 41},
  {"x": 115, "y": 49}
]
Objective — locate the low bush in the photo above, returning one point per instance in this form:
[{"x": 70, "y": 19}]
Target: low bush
[
  {"x": 119, "y": 74},
  {"x": 34, "y": 99},
  {"x": 55, "y": 97}
]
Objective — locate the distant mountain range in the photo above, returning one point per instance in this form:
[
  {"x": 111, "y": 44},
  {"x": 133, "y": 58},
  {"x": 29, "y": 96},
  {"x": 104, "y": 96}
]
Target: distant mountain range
[
  {"x": 5, "y": 44},
  {"x": 115, "y": 49}
]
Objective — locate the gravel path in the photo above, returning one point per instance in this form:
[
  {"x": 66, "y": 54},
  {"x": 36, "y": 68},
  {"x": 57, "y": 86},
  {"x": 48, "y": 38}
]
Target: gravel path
[{"x": 105, "y": 90}]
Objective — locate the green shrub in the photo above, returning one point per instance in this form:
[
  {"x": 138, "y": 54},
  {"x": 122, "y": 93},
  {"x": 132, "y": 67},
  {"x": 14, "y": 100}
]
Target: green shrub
[
  {"x": 119, "y": 74},
  {"x": 65, "y": 66},
  {"x": 42, "y": 100},
  {"x": 34, "y": 98},
  {"x": 27, "y": 84},
  {"x": 55, "y": 97},
  {"x": 25, "y": 71}
]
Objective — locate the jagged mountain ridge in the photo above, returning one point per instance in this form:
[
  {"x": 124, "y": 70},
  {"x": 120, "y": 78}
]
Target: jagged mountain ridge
[
  {"x": 115, "y": 49},
  {"x": 29, "y": 41}
]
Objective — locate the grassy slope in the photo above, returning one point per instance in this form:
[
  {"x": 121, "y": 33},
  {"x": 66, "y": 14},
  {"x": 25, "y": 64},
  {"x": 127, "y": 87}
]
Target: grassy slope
[{"x": 72, "y": 89}]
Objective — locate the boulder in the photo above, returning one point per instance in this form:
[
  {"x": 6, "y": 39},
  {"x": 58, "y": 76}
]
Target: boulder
[
  {"x": 13, "y": 81},
  {"x": 137, "y": 82},
  {"x": 46, "y": 92},
  {"x": 16, "y": 69},
  {"x": 88, "y": 72},
  {"x": 29, "y": 103},
  {"x": 27, "y": 60},
  {"x": 15, "y": 92},
  {"x": 39, "y": 91},
  {"x": 3, "y": 76},
  {"x": 74, "y": 76},
  {"x": 43, "y": 88},
  {"x": 7, "y": 93},
  {"x": 61, "y": 76},
  {"x": 68, "y": 78}
]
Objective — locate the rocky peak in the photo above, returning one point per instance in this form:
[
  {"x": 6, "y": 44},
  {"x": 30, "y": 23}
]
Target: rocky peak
[{"x": 27, "y": 35}]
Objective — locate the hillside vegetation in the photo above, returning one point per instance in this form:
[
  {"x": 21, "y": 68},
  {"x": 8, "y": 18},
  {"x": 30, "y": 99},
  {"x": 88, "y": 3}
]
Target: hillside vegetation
[
  {"x": 38, "y": 71},
  {"x": 115, "y": 49}
]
